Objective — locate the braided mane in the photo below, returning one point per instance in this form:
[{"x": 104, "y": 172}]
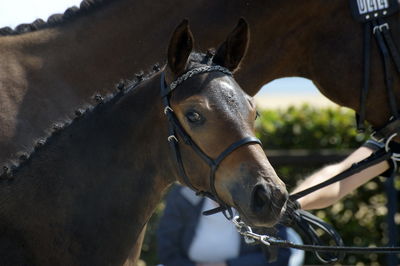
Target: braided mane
[
  {"x": 86, "y": 7},
  {"x": 121, "y": 88}
]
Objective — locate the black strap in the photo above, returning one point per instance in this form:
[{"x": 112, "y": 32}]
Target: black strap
[
  {"x": 394, "y": 51},
  {"x": 214, "y": 166},
  {"x": 360, "y": 116},
  {"x": 345, "y": 249},
  {"x": 308, "y": 224},
  {"x": 378, "y": 28}
]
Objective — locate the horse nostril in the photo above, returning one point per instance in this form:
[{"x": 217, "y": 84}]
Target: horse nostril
[
  {"x": 281, "y": 199},
  {"x": 261, "y": 196}
]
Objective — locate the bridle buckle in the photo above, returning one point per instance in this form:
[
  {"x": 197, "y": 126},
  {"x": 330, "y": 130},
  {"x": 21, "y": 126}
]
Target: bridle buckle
[
  {"x": 380, "y": 27},
  {"x": 168, "y": 109},
  {"x": 171, "y": 138}
]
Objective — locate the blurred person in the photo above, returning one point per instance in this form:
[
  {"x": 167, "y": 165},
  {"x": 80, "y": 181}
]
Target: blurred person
[{"x": 186, "y": 237}]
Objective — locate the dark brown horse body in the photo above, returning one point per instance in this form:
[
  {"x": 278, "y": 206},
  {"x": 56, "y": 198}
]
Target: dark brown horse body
[{"x": 46, "y": 74}]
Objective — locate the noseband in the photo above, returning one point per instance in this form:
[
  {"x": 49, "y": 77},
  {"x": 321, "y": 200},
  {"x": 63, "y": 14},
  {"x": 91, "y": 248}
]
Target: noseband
[{"x": 175, "y": 129}]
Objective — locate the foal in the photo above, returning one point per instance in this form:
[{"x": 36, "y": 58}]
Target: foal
[{"x": 85, "y": 193}]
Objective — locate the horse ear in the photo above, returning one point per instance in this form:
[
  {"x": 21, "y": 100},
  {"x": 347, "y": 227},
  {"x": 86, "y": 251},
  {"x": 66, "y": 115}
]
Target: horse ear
[
  {"x": 231, "y": 52},
  {"x": 180, "y": 47}
]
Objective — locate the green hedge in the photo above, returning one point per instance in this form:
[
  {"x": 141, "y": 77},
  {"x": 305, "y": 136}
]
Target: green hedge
[
  {"x": 308, "y": 128},
  {"x": 359, "y": 218}
]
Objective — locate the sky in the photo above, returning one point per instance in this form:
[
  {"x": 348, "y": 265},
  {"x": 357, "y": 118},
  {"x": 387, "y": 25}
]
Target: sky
[{"x": 14, "y": 12}]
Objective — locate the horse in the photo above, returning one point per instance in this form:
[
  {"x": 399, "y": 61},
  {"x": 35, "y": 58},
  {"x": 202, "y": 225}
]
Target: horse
[
  {"x": 49, "y": 68},
  {"x": 84, "y": 195}
]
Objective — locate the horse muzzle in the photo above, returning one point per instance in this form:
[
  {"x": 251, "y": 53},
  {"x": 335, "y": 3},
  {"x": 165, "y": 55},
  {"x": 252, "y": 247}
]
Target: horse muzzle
[{"x": 263, "y": 205}]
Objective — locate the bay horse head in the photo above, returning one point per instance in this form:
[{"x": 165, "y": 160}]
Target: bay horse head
[{"x": 211, "y": 128}]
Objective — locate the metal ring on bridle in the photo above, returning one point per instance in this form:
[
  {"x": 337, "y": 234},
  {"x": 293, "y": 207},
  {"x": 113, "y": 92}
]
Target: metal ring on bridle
[
  {"x": 395, "y": 156},
  {"x": 168, "y": 108},
  {"x": 171, "y": 138}
]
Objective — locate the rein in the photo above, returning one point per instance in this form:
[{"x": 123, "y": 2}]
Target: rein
[
  {"x": 175, "y": 131},
  {"x": 251, "y": 237}
]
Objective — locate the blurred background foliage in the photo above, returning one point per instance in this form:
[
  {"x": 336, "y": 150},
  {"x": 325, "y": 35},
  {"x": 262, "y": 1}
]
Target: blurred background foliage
[{"x": 359, "y": 218}]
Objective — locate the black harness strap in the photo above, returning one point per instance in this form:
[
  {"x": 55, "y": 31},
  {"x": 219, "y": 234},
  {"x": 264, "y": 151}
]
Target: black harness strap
[
  {"x": 360, "y": 116},
  {"x": 345, "y": 249},
  {"x": 394, "y": 51},
  {"x": 385, "y": 55},
  {"x": 308, "y": 224}
]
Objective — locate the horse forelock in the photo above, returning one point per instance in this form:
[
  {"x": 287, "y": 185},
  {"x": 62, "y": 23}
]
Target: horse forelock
[
  {"x": 86, "y": 7},
  {"x": 196, "y": 58},
  {"x": 122, "y": 87}
]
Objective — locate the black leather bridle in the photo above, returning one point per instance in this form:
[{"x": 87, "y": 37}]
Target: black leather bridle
[{"x": 175, "y": 129}]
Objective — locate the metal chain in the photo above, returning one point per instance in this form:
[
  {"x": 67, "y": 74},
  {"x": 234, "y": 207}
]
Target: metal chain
[{"x": 249, "y": 236}]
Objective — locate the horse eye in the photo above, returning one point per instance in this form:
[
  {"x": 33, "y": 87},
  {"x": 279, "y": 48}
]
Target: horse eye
[{"x": 194, "y": 117}]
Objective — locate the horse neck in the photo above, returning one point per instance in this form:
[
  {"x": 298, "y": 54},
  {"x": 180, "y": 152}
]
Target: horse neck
[
  {"x": 106, "y": 41},
  {"x": 143, "y": 143},
  {"x": 125, "y": 159},
  {"x": 117, "y": 40},
  {"x": 284, "y": 30}
]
